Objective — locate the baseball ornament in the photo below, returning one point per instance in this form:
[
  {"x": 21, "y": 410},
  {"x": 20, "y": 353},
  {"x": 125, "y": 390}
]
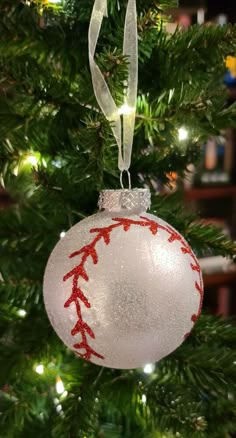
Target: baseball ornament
[{"x": 123, "y": 288}]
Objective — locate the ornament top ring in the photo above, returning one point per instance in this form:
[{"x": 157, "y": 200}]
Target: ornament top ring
[
  {"x": 136, "y": 200},
  {"x": 123, "y": 288}
]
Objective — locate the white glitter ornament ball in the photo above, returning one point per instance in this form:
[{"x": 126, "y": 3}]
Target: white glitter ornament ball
[{"x": 123, "y": 288}]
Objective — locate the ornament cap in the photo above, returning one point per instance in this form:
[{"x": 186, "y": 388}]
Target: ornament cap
[{"x": 135, "y": 200}]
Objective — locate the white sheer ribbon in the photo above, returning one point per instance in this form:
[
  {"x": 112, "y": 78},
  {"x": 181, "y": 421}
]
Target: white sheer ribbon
[{"x": 101, "y": 90}]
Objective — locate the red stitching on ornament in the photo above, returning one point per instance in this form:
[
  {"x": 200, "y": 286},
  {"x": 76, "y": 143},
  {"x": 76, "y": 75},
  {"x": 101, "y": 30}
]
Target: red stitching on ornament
[
  {"x": 79, "y": 271},
  {"x": 77, "y": 294},
  {"x": 194, "y": 266}
]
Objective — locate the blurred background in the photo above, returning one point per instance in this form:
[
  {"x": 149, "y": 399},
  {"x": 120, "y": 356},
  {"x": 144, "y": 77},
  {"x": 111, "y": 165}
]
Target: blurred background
[
  {"x": 210, "y": 188},
  {"x": 217, "y": 7},
  {"x": 216, "y": 11}
]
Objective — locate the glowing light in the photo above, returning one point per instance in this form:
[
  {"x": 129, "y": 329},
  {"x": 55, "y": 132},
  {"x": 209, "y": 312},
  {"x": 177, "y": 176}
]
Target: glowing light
[
  {"x": 59, "y": 386},
  {"x": 39, "y": 369},
  {"x": 16, "y": 171},
  {"x": 201, "y": 16},
  {"x": 57, "y": 163},
  {"x": 183, "y": 134},
  {"x": 222, "y": 19},
  {"x": 32, "y": 159},
  {"x": 63, "y": 233},
  {"x": 44, "y": 162},
  {"x": 21, "y": 312},
  {"x": 144, "y": 399},
  {"x": 126, "y": 110},
  {"x": 149, "y": 368},
  {"x": 59, "y": 408}
]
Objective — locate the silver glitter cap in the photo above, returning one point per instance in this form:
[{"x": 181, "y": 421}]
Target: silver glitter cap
[{"x": 124, "y": 199}]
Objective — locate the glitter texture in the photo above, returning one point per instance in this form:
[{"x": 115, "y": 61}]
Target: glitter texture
[{"x": 123, "y": 291}]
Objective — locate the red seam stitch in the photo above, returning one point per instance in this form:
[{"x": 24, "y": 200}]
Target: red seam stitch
[{"x": 79, "y": 271}]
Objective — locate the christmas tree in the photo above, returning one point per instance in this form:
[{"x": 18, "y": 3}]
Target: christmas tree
[{"x": 57, "y": 153}]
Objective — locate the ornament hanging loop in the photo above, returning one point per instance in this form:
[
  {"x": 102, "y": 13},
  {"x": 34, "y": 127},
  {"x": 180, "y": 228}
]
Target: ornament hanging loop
[
  {"x": 121, "y": 179},
  {"x": 123, "y": 117}
]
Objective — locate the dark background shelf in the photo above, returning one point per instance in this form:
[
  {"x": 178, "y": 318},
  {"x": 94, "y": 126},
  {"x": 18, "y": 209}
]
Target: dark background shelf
[{"x": 210, "y": 193}]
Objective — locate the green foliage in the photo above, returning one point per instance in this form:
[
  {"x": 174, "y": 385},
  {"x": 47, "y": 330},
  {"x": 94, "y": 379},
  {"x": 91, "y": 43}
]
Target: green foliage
[
  {"x": 56, "y": 153},
  {"x": 183, "y": 394}
]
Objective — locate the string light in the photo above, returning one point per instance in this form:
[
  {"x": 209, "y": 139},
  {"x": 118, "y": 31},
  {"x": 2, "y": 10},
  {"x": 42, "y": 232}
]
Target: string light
[
  {"x": 144, "y": 399},
  {"x": 59, "y": 409},
  {"x": 21, "y": 312},
  {"x": 32, "y": 159},
  {"x": 16, "y": 171},
  {"x": 57, "y": 163},
  {"x": 149, "y": 368},
  {"x": 59, "y": 386},
  {"x": 125, "y": 110},
  {"x": 201, "y": 16},
  {"x": 63, "y": 233},
  {"x": 183, "y": 134},
  {"x": 58, "y": 406},
  {"x": 39, "y": 369}
]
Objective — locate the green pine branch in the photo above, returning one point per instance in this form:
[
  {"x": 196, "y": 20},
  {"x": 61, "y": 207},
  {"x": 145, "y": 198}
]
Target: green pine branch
[{"x": 48, "y": 111}]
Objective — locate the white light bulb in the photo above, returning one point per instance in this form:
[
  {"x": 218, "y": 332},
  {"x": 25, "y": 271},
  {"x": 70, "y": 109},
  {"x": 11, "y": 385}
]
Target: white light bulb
[
  {"x": 149, "y": 368},
  {"x": 39, "y": 369},
  {"x": 59, "y": 386},
  {"x": 125, "y": 109},
  {"x": 57, "y": 163},
  {"x": 201, "y": 16},
  {"x": 59, "y": 408},
  {"x": 183, "y": 134},
  {"x": 63, "y": 233},
  {"x": 56, "y": 401},
  {"x": 31, "y": 159},
  {"x": 16, "y": 171},
  {"x": 144, "y": 399},
  {"x": 222, "y": 19},
  {"x": 21, "y": 312}
]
